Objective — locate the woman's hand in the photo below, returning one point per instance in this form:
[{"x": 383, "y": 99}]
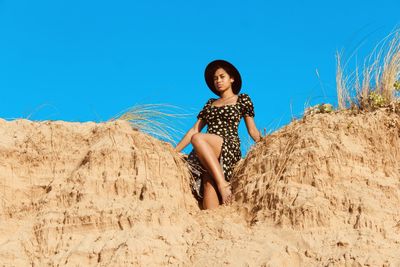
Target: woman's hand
[
  {"x": 181, "y": 154},
  {"x": 262, "y": 137}
]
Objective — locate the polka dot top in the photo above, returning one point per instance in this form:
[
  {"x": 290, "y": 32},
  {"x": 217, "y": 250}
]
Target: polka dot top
[{"x": 224, "y": 120}]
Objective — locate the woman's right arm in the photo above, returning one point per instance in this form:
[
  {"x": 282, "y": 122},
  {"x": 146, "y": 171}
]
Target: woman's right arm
[{"x": 197, "y": 127}]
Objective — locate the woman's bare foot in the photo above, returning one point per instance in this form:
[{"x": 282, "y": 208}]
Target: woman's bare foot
[{"x": 226, "y": 193}]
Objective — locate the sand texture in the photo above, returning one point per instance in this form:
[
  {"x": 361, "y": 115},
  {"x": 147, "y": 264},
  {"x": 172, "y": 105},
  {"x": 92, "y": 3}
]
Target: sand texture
[{"x": 322, "y": 191}]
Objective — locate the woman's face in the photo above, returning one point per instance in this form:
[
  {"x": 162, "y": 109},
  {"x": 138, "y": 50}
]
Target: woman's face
[{"x": 222, "y": 80}]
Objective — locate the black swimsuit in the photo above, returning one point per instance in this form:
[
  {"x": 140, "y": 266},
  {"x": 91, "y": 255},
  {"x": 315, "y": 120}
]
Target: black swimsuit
[{"x": 222, "y": 121}]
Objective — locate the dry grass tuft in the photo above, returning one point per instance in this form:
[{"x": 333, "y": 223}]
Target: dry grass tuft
[
  {"x": 380, "y": 77},
  {"x": 341, "y": 84},
  {"x": 154, "y": 119}
]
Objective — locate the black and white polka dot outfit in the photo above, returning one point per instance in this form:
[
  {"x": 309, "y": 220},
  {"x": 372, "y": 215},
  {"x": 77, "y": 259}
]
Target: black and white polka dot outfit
[{"x": 222, "y": 121}]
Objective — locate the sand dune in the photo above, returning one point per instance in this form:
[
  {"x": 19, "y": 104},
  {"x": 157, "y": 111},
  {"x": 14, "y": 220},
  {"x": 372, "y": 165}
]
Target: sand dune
[{"x": 322, "y": 191}]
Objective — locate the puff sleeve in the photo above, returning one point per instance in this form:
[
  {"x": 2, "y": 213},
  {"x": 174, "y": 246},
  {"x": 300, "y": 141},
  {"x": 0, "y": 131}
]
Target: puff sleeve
[
  {"x": 203, "y": 111},
  {"x": 247, "y": 106}
]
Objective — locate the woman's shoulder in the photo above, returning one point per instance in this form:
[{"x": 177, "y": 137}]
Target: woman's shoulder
[
  {"x": 209, "y": 101},
  {"x": 244, "y": 96}
]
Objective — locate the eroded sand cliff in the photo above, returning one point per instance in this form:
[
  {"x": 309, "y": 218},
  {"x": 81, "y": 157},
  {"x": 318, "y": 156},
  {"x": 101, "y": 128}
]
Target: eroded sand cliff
[{"x": 322, "y": 191}]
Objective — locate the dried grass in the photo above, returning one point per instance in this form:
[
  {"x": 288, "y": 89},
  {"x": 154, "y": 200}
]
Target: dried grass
[
  {"x": 381, "y": 71},
  {"x": 154, "y": 119},
  {"x": 341, "y": 84}
]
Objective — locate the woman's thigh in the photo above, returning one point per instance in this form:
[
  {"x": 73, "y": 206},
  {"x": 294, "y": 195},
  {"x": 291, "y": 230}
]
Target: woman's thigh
[{"x": 213, "y": 140}]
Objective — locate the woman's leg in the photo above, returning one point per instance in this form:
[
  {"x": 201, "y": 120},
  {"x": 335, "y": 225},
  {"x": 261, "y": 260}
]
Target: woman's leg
[
  {"x": 210, "y": 195},
  {"x": 208, "y": 150}
]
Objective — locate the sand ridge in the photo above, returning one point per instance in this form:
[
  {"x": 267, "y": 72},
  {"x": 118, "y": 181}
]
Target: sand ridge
[{"x": 322, "y": 191}]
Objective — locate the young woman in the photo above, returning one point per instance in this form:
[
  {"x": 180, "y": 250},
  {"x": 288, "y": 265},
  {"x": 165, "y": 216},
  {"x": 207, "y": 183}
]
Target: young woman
[{"x": 216, "y": 152}]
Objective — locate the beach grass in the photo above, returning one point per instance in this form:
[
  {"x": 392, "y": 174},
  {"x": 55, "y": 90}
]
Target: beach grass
[
  {"x": 154, "y": 119},
  {"x": 377, "y": 85}
]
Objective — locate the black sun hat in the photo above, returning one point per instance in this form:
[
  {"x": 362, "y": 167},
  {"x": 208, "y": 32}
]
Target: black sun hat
[{"x": 229, "y": 68}]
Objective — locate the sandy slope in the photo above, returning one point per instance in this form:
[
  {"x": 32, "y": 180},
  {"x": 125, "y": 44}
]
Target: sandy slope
[{"x": 323, "y": 191}]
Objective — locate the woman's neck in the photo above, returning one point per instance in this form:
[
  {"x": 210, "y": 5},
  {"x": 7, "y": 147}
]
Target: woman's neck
[{"x": 226, "y": 95}]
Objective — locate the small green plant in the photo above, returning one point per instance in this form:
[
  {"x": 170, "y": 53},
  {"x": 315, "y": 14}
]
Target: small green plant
[
  {"x": 376, "y": 100},
  {"x": 397, "y": 85},
  {"x": 320, "y": 108},
  {"x": 325, "y": 108}
]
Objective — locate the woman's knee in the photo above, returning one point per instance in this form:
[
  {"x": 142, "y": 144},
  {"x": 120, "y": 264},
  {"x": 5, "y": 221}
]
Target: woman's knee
[
  {"x": 208, "y": 180},
  {"x": 196, "y": 139}
]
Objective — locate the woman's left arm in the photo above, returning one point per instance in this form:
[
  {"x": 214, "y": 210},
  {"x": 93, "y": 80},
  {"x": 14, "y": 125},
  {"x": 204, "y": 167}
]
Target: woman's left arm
[{"x": 252, "y": 129}]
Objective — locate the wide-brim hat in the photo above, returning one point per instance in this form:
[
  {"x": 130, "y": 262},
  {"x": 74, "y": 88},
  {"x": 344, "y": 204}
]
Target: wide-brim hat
[{"x": 228, "y": 67}]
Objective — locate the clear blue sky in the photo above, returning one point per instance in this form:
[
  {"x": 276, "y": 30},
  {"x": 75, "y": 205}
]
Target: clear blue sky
[{"x": 89, "y": 60}]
